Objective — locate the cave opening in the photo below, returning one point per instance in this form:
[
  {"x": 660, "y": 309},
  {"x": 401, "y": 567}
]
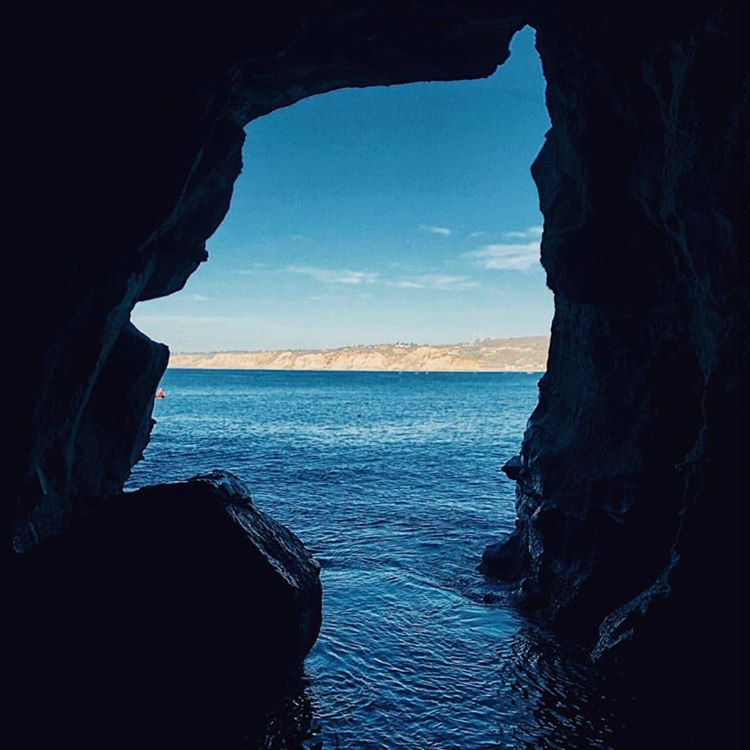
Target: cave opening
[
  {"x": 373, "y": 215},
  {"x": 368, "y": 221}
]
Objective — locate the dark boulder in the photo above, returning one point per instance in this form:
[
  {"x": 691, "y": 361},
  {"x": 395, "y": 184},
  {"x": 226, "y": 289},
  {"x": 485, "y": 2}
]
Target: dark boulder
[
  {"x": 507, "y": 560},
  {"x": 512, "y": 467},
  {"x": 179, "y": 611}
]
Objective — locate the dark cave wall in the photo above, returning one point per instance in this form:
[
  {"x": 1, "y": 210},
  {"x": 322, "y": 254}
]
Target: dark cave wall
[
  {"x": 638, "y": 430},
  {"x": 628, "y": 488},
  {"x": 146, "y": 145}
]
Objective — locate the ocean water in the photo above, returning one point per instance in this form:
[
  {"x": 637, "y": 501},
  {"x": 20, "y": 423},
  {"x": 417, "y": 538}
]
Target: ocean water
[{"x": 393, "y": 481}]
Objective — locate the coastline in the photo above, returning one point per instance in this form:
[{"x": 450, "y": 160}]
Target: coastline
[
  {"x": 181, "y": 368},
  {"x": 523, "y": 354}
]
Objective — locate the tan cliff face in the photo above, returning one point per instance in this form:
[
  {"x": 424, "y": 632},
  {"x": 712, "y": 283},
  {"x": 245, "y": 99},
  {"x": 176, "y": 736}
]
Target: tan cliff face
[{"x": 527, "y": 354}]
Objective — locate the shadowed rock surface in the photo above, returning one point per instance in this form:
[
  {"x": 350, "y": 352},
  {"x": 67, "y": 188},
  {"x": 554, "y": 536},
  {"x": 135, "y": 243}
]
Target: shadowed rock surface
[
  {"x": 631, "y": 463},
  {"x": 630, "y": 490},
  {"x": 173, "y": 613}
]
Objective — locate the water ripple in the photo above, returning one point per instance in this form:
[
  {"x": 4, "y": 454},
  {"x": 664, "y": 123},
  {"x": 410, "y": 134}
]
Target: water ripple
[{"x": 394, "y": 484}]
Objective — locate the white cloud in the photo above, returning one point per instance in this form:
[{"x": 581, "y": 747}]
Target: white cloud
[
  {"x": 526, "y": 234},
  {"x": 335, "y": 275},
  {"x": 443, "y": 231},
  {"x": 198, "y": 297},
  {"x": 508, "y": 256},
  {"x": 474, "y": 235},
  {"x": 406, "y": 284},
  {"x": 434, "y": 281}
]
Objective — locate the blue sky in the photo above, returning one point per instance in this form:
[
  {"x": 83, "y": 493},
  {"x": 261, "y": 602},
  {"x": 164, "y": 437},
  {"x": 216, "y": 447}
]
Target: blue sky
[{"x": 400, "y": 213}]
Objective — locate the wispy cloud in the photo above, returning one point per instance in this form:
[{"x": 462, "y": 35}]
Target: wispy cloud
[
  {"x": 511, "y": 256},
  {"x": 525, "y": 234},
  {"x": 405, "y": 284},
  {"x": 198, "y": 297},
  {"x": 443, "y": 231},
  {"x": 335, "y": 275},
  {"x": 434, "y": 281},
  {"x": 474, "y": 235},
  {"x": 507, "y": 256},
  {"x": 255, "y": 268}
]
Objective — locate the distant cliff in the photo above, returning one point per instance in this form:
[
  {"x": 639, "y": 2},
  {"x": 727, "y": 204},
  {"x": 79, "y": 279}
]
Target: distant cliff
[{"x": 528, "y": 354}]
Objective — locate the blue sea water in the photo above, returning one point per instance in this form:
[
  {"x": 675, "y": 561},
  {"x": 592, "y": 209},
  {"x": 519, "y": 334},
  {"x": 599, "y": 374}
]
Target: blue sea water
[{"x": 393, "y": 481}]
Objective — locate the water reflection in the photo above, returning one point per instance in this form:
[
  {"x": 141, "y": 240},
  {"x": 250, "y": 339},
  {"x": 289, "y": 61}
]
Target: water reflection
[
  {"x": 561, "y": 700},
  {"x": 548, "y": 696}
]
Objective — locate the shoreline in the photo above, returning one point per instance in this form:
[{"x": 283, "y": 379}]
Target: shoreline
[
  {"x": 522, "y": 354},
  {"x": 353, "y": 370}
]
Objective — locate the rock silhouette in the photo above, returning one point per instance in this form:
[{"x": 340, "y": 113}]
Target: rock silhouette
[
  {"x": 175, "y": 612},
  {"x": 630, "y": 482}
]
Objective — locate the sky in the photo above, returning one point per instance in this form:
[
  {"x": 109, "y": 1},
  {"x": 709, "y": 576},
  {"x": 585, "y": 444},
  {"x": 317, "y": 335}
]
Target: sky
[{"x": 380, "y": 215}]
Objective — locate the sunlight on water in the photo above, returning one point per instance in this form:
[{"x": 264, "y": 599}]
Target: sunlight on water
[{"x": 393, "y": 482}]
